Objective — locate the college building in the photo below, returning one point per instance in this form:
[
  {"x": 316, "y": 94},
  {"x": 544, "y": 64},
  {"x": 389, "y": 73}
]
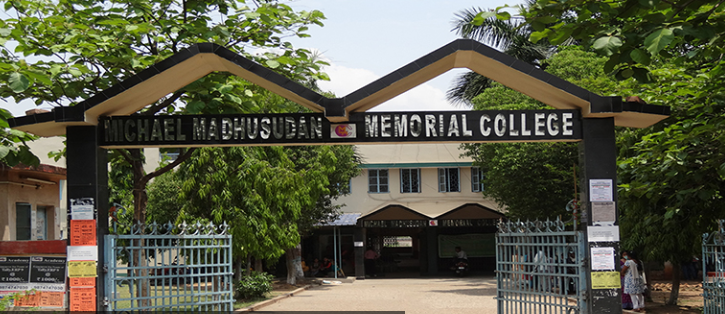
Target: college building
[{"x": 413, "y": 204}]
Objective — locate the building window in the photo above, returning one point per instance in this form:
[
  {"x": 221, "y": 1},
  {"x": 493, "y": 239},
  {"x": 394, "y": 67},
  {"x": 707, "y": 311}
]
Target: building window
[
  {"x": 448, "y": 180},
  {"x": 476, "y": 179},
  {"x": 23, "y": 230},
  {"x": 378, "y": 180},
  {"x": 409, "y": 180}
]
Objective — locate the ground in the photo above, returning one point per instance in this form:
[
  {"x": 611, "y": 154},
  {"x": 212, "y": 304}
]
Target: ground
[
  {"x": 433, "y": 295},
  {"x": 690, "y": 300}
]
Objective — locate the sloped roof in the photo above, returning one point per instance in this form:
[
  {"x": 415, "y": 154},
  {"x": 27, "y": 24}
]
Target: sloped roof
[
  {"x": 431, "y": 210},
  {"x": 346, "y": 219},
  {"x": 195, "y": 62}
]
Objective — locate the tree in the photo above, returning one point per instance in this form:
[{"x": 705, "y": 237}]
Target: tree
[
  {"x": 544, "y": 172},
  {"x": 673, "y": 177},
  {"x": 635, "y": 34},
  {"x": 268, "y": 195},
  {"x": 669, "y": 172},
  {"x": 68, "y": 51},
  {"x": 14, "y": 148},
  {"x": 500, "y": 32}
]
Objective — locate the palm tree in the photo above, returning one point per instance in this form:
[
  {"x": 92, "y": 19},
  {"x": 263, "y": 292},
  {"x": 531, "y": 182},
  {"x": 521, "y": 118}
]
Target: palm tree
[{"x": 510, "y": 36}]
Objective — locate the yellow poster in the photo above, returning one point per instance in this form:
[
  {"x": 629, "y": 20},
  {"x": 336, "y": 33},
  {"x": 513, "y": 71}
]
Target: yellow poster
[
  {"x": 82, "y": 269},
  {"x": 605, "y": 280}
]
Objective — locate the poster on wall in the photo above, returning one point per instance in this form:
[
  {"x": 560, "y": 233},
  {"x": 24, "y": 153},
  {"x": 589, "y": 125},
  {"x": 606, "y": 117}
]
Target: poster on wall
[
  {"x": 474, "y": 244},
  {"x": 43, "y": 279},
  {"x": 82, "y": 208}
]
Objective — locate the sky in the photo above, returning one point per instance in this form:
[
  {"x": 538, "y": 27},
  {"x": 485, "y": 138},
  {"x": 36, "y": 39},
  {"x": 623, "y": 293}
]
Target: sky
[{"x": 364, "y": 40}]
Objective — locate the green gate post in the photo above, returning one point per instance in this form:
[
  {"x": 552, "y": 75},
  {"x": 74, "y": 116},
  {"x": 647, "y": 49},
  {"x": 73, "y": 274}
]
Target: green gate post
[
  {"x": 87, "y": 166},
  {"x": 598, "y": 161}
]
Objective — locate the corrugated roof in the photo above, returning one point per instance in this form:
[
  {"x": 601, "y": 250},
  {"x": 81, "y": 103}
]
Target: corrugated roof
[{"x": 347, "y": 219}]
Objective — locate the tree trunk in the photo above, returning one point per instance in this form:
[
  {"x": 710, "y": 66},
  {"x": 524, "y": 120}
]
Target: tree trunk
[
  {"x": 258, "y": 267},
  {"x": 293, "y": 257},
  {"x": 139, "y": 215},
  {"x": 238, "y": 269},
  {"x": 248, "y": 265},
  {"x": 290, "y": 261},
  {"x": 675, "y": 294}
]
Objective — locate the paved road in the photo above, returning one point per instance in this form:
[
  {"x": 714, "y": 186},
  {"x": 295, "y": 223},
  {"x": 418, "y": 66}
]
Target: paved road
[{"x": 414, "y": 296}]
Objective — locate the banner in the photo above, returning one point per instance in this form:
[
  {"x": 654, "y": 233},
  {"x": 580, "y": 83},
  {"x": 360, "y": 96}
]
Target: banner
[{"x": 474, "y": 244}]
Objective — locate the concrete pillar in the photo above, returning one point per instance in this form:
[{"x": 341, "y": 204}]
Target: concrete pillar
[
  {"x": 87, "y": 166},
  {"x": 598, "y": 161}
]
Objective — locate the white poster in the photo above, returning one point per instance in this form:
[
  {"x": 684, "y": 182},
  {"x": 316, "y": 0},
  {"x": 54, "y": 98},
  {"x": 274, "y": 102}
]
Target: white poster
[
  {"x": 82, "y": 208},
  {"x": 83, "y": 253},
  {"x": 603, "y": 233},
  {"x": 600, "y": 190},
  {"x": 602, "y": 258}
]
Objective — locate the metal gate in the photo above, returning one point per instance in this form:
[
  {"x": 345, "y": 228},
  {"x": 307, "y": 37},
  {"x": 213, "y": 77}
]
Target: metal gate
[
  {"x": 168, "y": 268},
  {"x": 540, "y": 268},
  {"x": 713, "y": 270}
]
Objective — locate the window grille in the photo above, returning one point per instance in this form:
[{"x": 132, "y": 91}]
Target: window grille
[
  {"x": 448, "y": 180},
  {"x": 476, "y": 179},
  {"x": 409, "y": 180},
  {"x": 378, "y": 181}
]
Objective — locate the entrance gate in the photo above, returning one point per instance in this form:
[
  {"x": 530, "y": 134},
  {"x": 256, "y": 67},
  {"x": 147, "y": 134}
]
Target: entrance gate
[
  {"x": 540, "y": 268},
  {"x": 170, "y": 269},
  {"x": 106, "y": 120},
  {"x": 713, "y": 270}
]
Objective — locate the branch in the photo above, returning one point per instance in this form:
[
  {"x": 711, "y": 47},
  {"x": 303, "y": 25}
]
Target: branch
[
  {"x": 145, "y": 179},
  {"x": 125, "y": 156},
  {"x": 157, "y": 107}
]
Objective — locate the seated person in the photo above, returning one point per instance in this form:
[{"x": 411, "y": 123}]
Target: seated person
[
  {"x": 460, "y": 256},
  {"x": 325, "y": 268}
]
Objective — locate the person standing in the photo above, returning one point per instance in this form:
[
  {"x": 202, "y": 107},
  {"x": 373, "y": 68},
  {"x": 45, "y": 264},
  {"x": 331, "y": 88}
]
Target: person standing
[
  {"x": 626, "y": 299},
  {"x": 633, "y": 281},
  {"x": 370, "y": 257}
]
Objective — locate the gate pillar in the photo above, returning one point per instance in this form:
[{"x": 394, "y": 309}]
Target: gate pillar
[
  {"x": 87, "y": 166},
  {"x": 598, "y": 164},
  {"x": 358, "y": 239}
]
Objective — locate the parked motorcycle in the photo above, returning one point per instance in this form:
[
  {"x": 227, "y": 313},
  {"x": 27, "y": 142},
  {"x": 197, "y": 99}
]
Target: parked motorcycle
[{"x": 461, "y": 268}]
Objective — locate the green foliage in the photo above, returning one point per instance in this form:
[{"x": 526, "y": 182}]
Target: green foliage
[
  {"x": 673, "y": 176},
  {"x": 14, "y": 149},
  {"x": 268, "y": 195},
  {"x": 164, "y": 203},
  {"x": 635, "y": 33},
  {"x": 254, "y": 286}
]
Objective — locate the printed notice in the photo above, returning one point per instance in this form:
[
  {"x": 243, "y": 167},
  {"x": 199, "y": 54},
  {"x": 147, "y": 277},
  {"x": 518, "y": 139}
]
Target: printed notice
[
  {"x": 600, "y": 190},
  {"x": 82, "y": 208},
  {"x": 83, "y": 253},
  {"x": 83, "y": 282},
  {"x": 47, "y": 270},
  {"x": 606, "y": 280},
  {"x": 82, "y": 269},
  {"x": 82, "y": 232},
  {"x": 51, "y": 299},
  {"x": 602, "y": 258},
  {"x": 604, "y": 213},
  {"x": 14, "y": 270},
  {"x": 28, "y": 300},
  {"x": 83, "y": 299},
  {"x": 603, "y": 233}
]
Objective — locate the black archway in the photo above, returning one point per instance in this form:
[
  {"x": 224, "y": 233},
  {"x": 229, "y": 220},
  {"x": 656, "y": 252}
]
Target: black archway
[{"x": 103, "y": 121}]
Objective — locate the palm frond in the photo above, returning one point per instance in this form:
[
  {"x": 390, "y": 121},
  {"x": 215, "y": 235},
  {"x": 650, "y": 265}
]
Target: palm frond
[{"x": 466, "y": 86}]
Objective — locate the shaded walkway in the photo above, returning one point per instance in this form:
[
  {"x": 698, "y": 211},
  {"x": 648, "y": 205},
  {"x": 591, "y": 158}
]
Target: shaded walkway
[{"x": 414, "y": 296}]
